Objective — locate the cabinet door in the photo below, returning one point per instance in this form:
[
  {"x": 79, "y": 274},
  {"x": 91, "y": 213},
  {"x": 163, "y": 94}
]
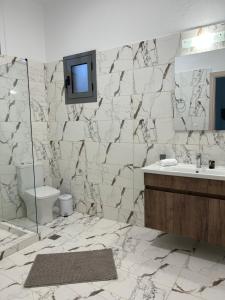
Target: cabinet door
[
  {"x": 192, "y": 214},
  {"x": 216, "y": 232},
  {"x": 159, "y": 210},
  {"x": 176, "y": 213}
]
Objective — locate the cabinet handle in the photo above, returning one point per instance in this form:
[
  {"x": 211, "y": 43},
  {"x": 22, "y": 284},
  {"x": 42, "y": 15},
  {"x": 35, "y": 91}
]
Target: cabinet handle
[{"x": 67, "y": 81}]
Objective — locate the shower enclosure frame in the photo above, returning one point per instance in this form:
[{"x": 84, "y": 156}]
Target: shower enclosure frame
[{"x": 9, "y": 63}]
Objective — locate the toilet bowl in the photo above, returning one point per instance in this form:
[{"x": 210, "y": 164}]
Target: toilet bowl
[{"x": 46, "y": 196}]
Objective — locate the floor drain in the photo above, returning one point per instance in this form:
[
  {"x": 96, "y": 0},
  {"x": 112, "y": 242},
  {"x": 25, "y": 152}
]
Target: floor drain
[{"x": 54, "y": 237}]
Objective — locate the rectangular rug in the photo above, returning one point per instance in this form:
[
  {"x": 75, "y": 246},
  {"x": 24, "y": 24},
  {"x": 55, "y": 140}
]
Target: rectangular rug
[{"x": 73, "y": 267}]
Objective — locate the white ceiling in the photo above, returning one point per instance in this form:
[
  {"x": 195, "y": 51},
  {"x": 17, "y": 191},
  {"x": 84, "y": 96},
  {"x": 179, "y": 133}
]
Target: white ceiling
[
  {"x": 73, "y": 26},
  {"x": 50, "y": 29}
]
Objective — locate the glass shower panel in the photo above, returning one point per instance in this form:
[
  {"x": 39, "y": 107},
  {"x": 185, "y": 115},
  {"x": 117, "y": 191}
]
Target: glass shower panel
[{"x": 15, "y": 138}]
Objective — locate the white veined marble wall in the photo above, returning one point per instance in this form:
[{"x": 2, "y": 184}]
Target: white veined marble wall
[
  {"x": 15, "y": 139},
  {"x": 96, "y": 150},
  {"x": 99, "y": 148}
]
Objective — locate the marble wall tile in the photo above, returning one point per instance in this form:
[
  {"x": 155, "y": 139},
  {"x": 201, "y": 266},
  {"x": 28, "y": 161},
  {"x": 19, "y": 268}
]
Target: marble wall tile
[
  {"x": 92, "y": 173},
  {"x": 145, "y": 154},
  {"x": 186, "y": 153},
  {"x": 36, "y": 71},
  {"x": 145, "y": 131},
  {"x": 145, "y": 54},
  {"x": 82, "y": 112},
  {"x": 42, "y": 151},
  {"x": 40, "y": 131},
  {"x": 153, "y": 130},
  {"x": 139, "y": 202},
  {"x": 92, "y": 199},
  {"x": 14, "y": 69},
  {"x": 115, "y": 84},
  {"x": 47, "y": 172},
  {"x": 116, "y": 131},
  {"x": 55, "y": 92},
  {"x": 117, "y": 197},
  {"x": 54, "y": 72},
  {"x": 156, "y": 51},
  {"x": 115, "y": 60},
  {"x": 190, "y": 137},
  {"x": 118, "y": 175},
  {"x": 138, "y": 179},
  {"x": 106, "y": 109},
  {"x": 55, "y": 132},
  {"x": 159, "y": 78},
  {"x": 64, "y": 150},
  {"x": 13, "y": 89},
  {"x": 14, "y": 111},
  {"x": 125, "y": 151},
  {"x": 115, "y": 214},
  {"x": 213, "y": 152},
  {"x": 77, "y": 191},
  {"x": 39, "y": 104},
  {"x": 15, "y": 143},
  {"x": 150, "y": 105},
  {"x": 12, "y": 132},
  {"x": 168, "y": 48},
  {"x": 115, "y": 108},
  {"x": 74, "y": 131},
  {"x": 11, "y": 204}
]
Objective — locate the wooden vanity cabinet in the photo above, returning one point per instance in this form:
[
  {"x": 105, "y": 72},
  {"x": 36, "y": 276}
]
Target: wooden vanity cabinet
[
  {"x": 186, "y": 206},
  {"x": 216, "y": 220}
]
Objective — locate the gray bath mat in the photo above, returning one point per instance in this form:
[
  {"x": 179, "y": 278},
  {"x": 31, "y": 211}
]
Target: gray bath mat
[{"x": 74, "y": 267}]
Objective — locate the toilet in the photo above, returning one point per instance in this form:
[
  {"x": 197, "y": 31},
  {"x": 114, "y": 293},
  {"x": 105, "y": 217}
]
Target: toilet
[{"x": 46, "y": 196}]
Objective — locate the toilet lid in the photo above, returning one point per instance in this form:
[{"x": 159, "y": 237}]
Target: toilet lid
[{"x": 43, "y": 192}]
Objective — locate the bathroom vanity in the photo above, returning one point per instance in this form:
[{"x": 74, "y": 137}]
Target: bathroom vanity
[{"x": 186, "y": 201}]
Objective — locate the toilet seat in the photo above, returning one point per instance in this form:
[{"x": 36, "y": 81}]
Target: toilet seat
[{"x": 43, "y": 192}]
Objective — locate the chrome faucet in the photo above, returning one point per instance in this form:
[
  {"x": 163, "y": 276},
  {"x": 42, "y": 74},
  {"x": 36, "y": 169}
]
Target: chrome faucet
[{"x": 198, "y": 160}]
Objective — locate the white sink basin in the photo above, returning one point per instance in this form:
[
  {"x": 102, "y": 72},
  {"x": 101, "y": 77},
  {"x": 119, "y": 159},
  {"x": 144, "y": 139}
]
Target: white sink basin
[{"x": 187, "y": 170}]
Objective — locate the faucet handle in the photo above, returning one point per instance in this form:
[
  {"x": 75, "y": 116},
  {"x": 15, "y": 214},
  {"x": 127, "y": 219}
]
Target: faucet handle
[{"x": 198, "y": 160}]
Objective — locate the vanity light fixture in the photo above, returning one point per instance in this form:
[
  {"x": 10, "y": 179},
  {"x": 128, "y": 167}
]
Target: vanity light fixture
[{"x": 204, "y": 40}]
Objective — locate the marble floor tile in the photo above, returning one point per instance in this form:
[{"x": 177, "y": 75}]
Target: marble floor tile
[
  {"x": 150, "y": 264},
  {"x": 178, "y": 296},
  {"x": 6, "y": 237},
  {"x": 195, "y": 284}
]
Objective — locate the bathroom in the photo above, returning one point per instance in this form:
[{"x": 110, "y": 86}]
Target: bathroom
[{"x": 104, "y": 152}]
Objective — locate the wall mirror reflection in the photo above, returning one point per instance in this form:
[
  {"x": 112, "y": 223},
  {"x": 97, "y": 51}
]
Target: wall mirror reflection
[{"x": 199, "y": 102}]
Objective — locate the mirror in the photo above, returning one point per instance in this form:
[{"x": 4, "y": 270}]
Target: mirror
[{"x": 199, "y": 102}]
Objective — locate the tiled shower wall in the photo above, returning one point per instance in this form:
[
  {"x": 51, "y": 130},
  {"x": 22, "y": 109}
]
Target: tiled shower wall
[
  {"x": 100, "y": 148},
  {"x": 15, "y": 139}
]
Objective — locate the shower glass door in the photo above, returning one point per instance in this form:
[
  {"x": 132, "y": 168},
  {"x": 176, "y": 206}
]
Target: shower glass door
[{"x": 15, "y": 139}]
